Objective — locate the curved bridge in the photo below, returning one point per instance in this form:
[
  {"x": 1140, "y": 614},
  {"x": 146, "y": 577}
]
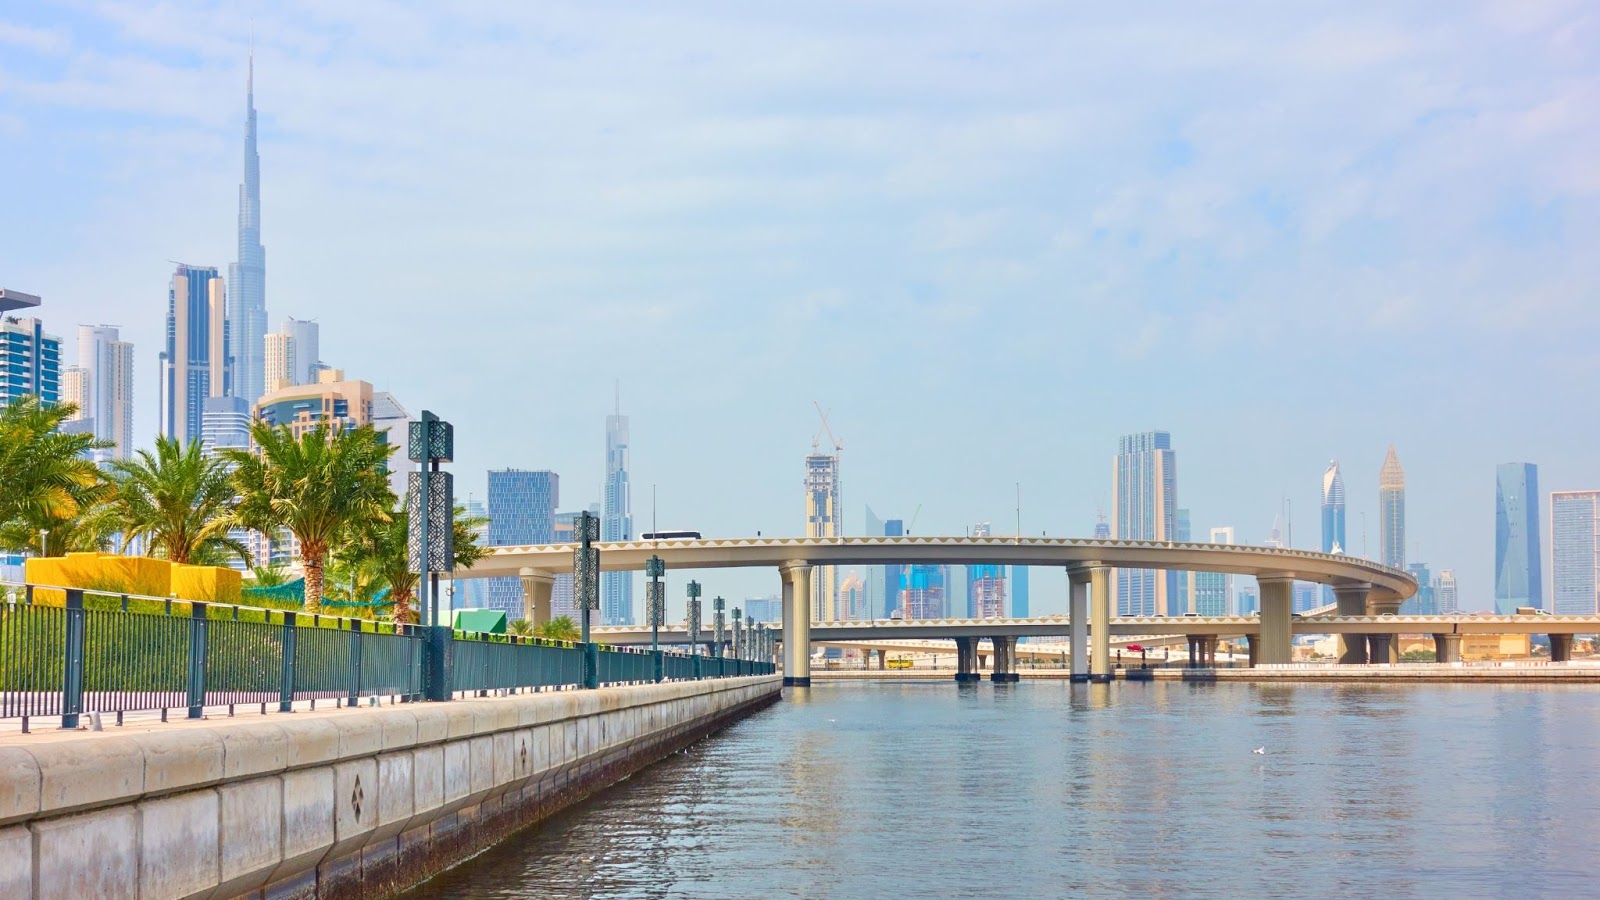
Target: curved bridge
[{"x": 1361, "y": 586}]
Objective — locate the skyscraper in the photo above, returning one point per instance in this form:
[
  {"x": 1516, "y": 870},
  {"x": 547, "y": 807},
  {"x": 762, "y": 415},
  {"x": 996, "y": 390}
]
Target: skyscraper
[
  {"x": 1144, "y": 507},
  {"x": 925, "y": 592},
  {"x": 195, "y": 364},
  {"x": 1423, "y": 602},
  {"x": 822, "y": 520},
  {"x": 106, "y": 365},
  {"x": 472, "y": 593},
  {"x": 225, "y": 424},
  {"x": 522, "y": 510},
  {"x": 292, "y": 354},
  {"x": 334, "y": 401},
  {"x": 1333, "y": 509},
  {"x": 616, "y": 521},
  {"x": 1575, "y": 552},
  {"x": 30, "y": 360},
  {"x": 1181, "y": 601},
  {"x": 986, "y": 585},
  {"x": 1518, "y": 576},
  {"x": 1392, "y": 510},
  {"x": 1019, "y": 592},
  {"x": 894, "y": 575},
  {"x": 1213, "y": 590},
  {"x": 1444, "y": 592},
  {"x": 247, "y": 319}
]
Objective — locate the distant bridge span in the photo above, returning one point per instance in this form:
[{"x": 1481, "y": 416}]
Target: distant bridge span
[{"x": 1361, "y": 586}]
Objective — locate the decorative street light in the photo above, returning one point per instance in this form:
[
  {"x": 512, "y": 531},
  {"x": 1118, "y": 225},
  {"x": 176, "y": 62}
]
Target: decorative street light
[
  {"x": 738, "y": 633},
  {"x": 718, "y": 624},
  {"x": 586, "y": 589},
  {"x": 655, "y": 567},
  {"x": 694, "y": 626}
]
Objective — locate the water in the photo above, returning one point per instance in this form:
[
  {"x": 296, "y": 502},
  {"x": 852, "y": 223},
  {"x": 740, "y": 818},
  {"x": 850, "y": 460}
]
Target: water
[{"x": 927, "y": 790}]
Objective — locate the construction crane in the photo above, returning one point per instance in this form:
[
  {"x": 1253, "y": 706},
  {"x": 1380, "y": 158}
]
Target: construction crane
[
  {"x": 816, "y": 439},
  {"x": 914, "y": 515}
]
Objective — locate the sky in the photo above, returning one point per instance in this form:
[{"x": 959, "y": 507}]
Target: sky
[{"x": 988, "y": 239}]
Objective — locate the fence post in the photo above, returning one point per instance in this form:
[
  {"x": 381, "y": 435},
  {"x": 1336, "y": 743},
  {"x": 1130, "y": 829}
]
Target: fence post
[
  {"x": 355, "y": 661},
  {"x": 436, "y": 662},
  {"x": 197, "y": 658},
  {"x": 72, "y": 678},
  {"x": 591, "y": 665},
  {"x": 286, "y": 671}
]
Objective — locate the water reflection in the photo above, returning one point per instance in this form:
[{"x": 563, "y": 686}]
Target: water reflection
[{"x": 921, "y": 789}]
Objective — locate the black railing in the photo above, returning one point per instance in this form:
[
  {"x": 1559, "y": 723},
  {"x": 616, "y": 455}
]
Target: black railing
[{"x": 67, "y": 652}]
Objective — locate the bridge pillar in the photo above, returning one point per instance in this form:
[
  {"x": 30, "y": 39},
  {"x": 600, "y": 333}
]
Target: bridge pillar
[
  {"x": 1100, "y": 623},
  {"x": 1005, "y": 660},
  {"x": 966, "y": 659},
  {"x": 1277, "y": 620},
  {"x": 1352, "y": 601},
  {"x": 1447, "y": 648},
  {"x": 1252, "y": 649},
  {"x": 796, "y": 623},
  {"x": 1078, "y": 612},
  {"x": 1390, "y": 643},
  {"x": 883, "y": 659},
  {"x": 1193, "y": 640},
  {"x": 537, "y": 590},
  {"x": 1560, "y": 648},
  {"x": 1208, "y": 651}
]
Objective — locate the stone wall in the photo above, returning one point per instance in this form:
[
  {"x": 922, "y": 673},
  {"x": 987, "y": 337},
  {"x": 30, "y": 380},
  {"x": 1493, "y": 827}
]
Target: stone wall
[{"x": 337, "y": 803}]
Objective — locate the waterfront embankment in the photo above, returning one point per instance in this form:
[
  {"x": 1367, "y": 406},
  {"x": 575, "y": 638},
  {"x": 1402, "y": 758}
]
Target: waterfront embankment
[{"x": 362, "y": 802}]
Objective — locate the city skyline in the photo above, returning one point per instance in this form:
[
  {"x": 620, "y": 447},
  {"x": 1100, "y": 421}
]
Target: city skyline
[{"x": 1168, "y": 250}]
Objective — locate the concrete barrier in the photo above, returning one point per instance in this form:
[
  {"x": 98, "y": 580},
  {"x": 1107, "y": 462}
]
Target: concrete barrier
[{"x": 327, "y": 804}]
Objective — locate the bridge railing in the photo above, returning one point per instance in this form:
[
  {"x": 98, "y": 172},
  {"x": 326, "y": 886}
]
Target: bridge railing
[{"x": 66, "y": 652}]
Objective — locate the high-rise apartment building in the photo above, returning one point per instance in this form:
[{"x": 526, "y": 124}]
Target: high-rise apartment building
[
  {"x": 986, "y": 585},
  {"x": 1423, "y": 602},
  {"x": 1144, "y": 507},
  {"x": 1444, "y": 592},
  {"x": 1102, "y": 528},
  {"x": 522, "y": 510},
  {"x": 339, "y": 403},
  {"x": 75, "y": 390},
  {"x": 247, "y": 277},
  {"x": 105, "y": 393},
  {"x": 196, "y": 362},
  {"x": 1575, "y": 552},
  {"x": 894, "y": 575},
  {"x": 1019, "y": 592},
  {"x": 925, "y": 592},
  {"x": 30, "y": 360},
  {"x": 822, "y": 520},
  {"x": 1333, "y": 537},
  {"x": 1518, "y": 575},
  {"x": 852, "y": 604},
  {"x": 1182, "y": 599},
  {"x": 392, "y": 423},
  {"x": 616, "y": 521},
  {"x": 225, "y": 424},
  {"x": 293, "y": 354},
  {"x": 1392, "y": 510},
  {"x": 1248, "y": 598},
  {"x": 1213, "y": 591}
]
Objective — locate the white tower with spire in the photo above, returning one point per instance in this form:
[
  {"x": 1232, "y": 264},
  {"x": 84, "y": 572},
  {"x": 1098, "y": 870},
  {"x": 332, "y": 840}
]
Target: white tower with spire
[{"x": 247, "y": 278}]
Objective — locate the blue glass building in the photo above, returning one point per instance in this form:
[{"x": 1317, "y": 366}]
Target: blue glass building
[
  {"x": 1422, "y": 603},
  {"x": 1019, "y": 592},
  {"x": 1518, "y": 576},
  {"x": 522, "y": 510},
  {"x": 1145, "y": 508},
  {"x": 616, "y": 522},
  {"x": 30, "y": 360}
]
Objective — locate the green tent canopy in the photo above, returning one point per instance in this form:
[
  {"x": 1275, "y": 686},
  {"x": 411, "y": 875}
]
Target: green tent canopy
[{"x": 492, "y": 621}]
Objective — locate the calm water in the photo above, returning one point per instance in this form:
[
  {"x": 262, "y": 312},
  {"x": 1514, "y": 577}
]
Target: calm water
[{"x": 929, "y": 790}]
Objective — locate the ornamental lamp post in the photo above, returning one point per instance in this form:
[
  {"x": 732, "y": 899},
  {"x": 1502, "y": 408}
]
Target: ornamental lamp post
[
  {"x": 738, "y": 633},
  {"x": 718, "y": 624},
  {"x": 694, "y": 626},
  {"x": 586, "y": 589},
  {"x": 655, "y": 567}
]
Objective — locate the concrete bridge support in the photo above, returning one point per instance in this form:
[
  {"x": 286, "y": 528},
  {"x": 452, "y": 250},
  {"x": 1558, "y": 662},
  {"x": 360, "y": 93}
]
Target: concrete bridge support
[
  {"x": 1277, "y": 620},
  {"x": 537, "y": 590},
  {"x": 1005, "y": 660},
  {"x": 1560, "y": 648},
  {"x": 1447, "y": 648},
  {"x": 1078, "y": 612},
  {"x": 1390, "y": 652},
  {"x": 796, "y": 623},
  {"x": 967, "y": 660},
  {"x": 1352, "y": 601},
  {"x": 1252, "y": 649},
  {"x": 883, "y": 659},
  {"x": 1100, "y": 623}
]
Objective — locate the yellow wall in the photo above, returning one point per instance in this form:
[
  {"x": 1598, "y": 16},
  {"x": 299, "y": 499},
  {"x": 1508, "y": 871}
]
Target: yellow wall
[{"x": 142, "y": 575}]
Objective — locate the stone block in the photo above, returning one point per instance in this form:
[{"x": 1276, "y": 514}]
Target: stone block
[
  {"x": 95, "y": 854},
  {"x": 74, "y": 774},
  {"x": 250, "y": 749},
  {"x": 180, "y": 760},
  {"x": 309, "y": 741},
  {"x": 482, "y": 749},
  {"x": 457, "y": 773},
  {"x": 308, "y": 801},
  {"x": 19, "y": 785},
  {"x": 16, "y": 862},
  {"x": 396, "y": 795},
  {"x": 399, "y": 728},
  {"x": 251, "y": 817},
  {"x": 178, "y": 844},
  {"x": 433, "y": 723},
  {"x": 360, "y": 734},
  {"x": 461, "y": 721},
  {"x": 504, "y": 760},
  {"x": 427, "y": 780},
  {"x": 355, "y": 804}
]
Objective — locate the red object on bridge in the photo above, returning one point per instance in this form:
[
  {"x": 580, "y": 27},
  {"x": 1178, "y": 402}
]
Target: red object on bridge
[{"x": 1135, "y": 648}]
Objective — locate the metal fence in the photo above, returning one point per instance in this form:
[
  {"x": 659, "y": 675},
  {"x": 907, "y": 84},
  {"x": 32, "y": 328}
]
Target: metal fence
[{"x": 67, "y": 652}]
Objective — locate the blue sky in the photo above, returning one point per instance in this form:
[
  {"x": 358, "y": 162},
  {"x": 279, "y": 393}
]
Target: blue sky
[{"x": 990, "y": 238}]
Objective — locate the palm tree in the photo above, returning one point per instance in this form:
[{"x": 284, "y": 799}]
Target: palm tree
[
  {"x": 382, "y": 549},
  {"x": 321, "y": 486},
  {"x": 181, "y": 500},
  {"x": 47, "y": 481},
  {"x": 561, "y": 628},
  {"x": 522, "y": 628}
]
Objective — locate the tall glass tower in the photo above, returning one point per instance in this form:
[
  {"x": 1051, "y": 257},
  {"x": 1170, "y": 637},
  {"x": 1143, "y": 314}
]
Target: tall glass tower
[
  {"x": 195, "y": 364},
  {"x": 1332, "y": 517},
  {"x": 616, "y": 521},
  {"x": 1575, "y": 552},
  {"x": 522, "y": 510},
  {"x": 822, "y": 520},
  {"x": 1144, "y": 507},
  {"x": 247, "y": 278},
  {"x": 1518, "y": 579},
  {"x": 1392, "y": 510}
]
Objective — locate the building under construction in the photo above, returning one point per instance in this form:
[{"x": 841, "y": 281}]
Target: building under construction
[{"x": 823, "y": 517}]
